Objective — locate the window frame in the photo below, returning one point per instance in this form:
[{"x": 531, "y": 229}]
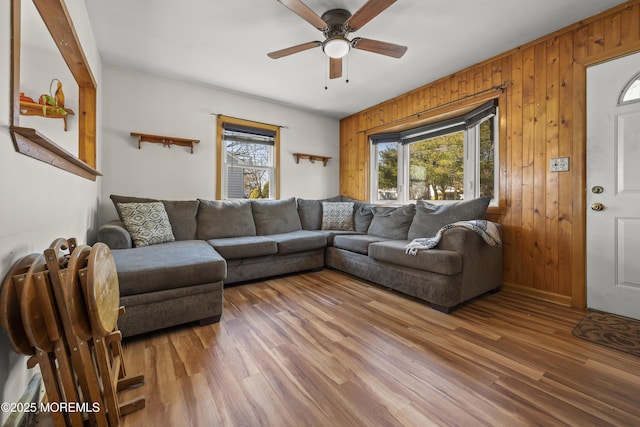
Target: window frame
[
  {"x": 221, "y": 161},
  {"x": 448, "y": 124}
]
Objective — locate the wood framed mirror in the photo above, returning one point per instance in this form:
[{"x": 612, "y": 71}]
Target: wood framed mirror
[{"x": 29, "y": 141}]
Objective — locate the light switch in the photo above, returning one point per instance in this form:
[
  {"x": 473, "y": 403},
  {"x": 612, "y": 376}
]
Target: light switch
[{"x": 559, "y": 164}]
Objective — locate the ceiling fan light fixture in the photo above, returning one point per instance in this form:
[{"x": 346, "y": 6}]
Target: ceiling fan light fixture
[{"x": 336, "y": 47}]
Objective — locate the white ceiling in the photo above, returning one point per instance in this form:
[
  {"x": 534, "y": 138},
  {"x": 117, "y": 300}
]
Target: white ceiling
[{"x": 224, "y": 44}]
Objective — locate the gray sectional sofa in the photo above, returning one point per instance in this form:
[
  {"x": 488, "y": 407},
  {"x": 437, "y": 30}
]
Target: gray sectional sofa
[{"x": 210, "y": 244}]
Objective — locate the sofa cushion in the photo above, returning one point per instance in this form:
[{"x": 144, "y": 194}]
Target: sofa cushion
[
  {"x": 310, "y": 212},
  {"x": 147, "y": 223},
  {"x": 182, "y": 216},
  {"x": 362, "y": 214},
  {"x": 437, "y": 261},
  {"x": 331, "y": 234},
  {"x": 299, "y": 241},
  {"x": 181, "y": 213},
  {"x": 128, "y": 199},
  {"x": 391, "y": 222},
  {"x": 429, "y": 218},
  {"x": 275, "y": 216},
  {"x": 358, "y": 243},
  {"x": 337, "y": 216},
  {"x": 168, "y": 266},
  {"x": 229, "y": 218},
  {"x": 244, "y": 247}
]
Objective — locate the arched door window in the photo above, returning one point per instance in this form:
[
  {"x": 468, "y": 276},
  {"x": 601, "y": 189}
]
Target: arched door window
[{"x": 631, "y": 92}]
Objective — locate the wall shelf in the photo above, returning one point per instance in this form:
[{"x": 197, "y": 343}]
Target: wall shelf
[
  {"x": 32, "y": 109},
  {"x": 167, "y": 141},
  {"x": 33, "y": 144},
  {"x": 312, "y": 158}
]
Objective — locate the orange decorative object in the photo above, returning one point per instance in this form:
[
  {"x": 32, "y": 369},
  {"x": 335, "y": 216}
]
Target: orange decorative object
[
  {"x": 59, "y": 96},
  {"x": 25, "y": 98}
]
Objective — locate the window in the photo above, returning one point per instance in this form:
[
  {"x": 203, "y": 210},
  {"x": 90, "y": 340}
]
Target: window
[
  {"x": 387, "y": 168},
  {"x": 631, "y": 92},
  {"x": 454, "y": 159},
  {"x": 247, "y": 159}
]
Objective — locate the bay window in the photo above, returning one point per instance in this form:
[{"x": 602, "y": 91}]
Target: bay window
[{"x": 453, "y": 159}]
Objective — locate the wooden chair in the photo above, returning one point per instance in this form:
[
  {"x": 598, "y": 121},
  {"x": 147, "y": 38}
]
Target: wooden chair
[
  {"x": 61, "y": 308},
  {"x": 92, "y": 296},
  {"x": 35, "y": 330}
]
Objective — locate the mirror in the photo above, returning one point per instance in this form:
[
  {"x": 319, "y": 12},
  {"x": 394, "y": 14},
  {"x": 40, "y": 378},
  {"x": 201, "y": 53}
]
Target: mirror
[{"x": 68, "y": 61}]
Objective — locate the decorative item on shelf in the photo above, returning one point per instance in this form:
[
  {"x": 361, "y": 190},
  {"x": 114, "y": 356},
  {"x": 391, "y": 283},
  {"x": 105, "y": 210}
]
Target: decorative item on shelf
[
  {"x": 58, "y": 96},
  {"x": 50, "y": 106},
  {"x": 55, "y": 102},
  {"x": 25, "y": 98},
  {"x": 312, "y": 158},
  {"x": 167, "y": 141}
]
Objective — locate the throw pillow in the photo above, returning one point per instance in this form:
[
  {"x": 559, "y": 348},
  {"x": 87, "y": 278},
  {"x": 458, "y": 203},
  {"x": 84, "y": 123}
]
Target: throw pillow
[
  {"x": 181, "y": 213},
  {"x": 117, "y": 200},
  {"x": 147, "y": 223},
  {"x": 337, "y": 216},
  {"x": 391, "y": 222},
  {"x": 430, "y": 218},
  {"x": 310, "y": 212}
]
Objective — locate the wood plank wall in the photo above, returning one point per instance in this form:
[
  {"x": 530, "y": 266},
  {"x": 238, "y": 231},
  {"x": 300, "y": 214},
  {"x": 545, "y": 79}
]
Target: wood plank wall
[{"x": 542, "y": 117}]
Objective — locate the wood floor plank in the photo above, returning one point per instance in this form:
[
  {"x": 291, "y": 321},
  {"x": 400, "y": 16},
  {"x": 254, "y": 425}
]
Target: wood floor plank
[{"x": 327, "y": 349}]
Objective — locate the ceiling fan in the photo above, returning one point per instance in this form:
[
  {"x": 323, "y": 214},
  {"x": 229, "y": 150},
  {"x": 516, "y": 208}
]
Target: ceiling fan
[{"x": 336, "y": 24}]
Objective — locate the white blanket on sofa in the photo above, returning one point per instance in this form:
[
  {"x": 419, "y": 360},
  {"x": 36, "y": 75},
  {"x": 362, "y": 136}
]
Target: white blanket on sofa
[{"x": 485, "y": 229}]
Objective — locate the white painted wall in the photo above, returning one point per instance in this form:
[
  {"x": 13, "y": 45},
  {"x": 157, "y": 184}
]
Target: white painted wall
[
  {"x": 38, "y": 202},
  {"x": 137, "y": 102}
]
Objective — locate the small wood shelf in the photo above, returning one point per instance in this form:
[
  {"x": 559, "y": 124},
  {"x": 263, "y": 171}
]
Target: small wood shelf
[
  {"x": 32, "y": 109},
  {"x": 312, "y": 158},
  {"x": 167, "y": 141}
]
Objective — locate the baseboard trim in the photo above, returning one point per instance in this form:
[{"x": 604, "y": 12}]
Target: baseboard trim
[{"x": 538, "y": 294}]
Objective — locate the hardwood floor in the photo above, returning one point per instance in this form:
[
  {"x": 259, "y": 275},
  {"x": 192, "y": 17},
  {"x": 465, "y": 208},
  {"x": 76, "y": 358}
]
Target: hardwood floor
[{"x": 326, "y": 349}]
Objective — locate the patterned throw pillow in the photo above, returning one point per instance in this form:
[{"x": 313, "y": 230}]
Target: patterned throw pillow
[
  {"x": 337, "y": 216},
  {"x": 147, "y": 223}
]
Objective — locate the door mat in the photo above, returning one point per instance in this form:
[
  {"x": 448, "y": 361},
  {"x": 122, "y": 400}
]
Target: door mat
[{"x": 620, "y": 333}]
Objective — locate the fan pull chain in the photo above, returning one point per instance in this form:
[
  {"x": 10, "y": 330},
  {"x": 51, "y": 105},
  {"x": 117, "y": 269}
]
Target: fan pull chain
[
  {"x": 326, "y": 73},
  {"x": 346, "y": 60}
]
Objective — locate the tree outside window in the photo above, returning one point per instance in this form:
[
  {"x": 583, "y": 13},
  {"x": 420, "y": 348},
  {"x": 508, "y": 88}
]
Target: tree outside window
[
  {"x": 388, "y": 171},
  {"x": 436, "y": 168},
  {"x": 249, "y": 163}
]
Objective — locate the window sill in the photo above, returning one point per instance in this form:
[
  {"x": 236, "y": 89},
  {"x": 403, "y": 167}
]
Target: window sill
[{"x": 31, "y": 143}]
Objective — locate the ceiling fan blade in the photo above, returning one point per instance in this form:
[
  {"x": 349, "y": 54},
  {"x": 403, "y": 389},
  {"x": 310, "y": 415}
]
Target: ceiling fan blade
[
  {"x": 375, "y": 46},
  {"x": 293, "y": 49},
  {"x": 335, "y": 68},
  {"x": 305, "y": 12},
  {"x": 366, "y": 13}
]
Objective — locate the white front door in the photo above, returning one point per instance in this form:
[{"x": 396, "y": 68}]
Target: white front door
[{"x": 613, "y": 185}]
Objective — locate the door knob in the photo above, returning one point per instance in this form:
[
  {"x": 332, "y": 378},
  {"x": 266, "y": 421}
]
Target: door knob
[{"x": 597, "y": 206}]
